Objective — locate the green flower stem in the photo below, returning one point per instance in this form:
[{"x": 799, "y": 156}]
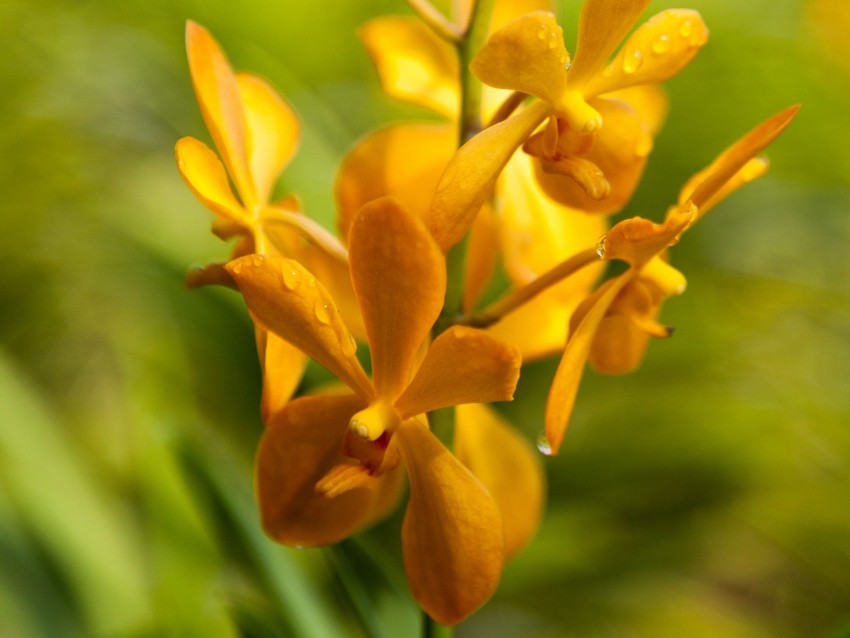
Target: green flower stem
[{"x": 433, "y": 629}]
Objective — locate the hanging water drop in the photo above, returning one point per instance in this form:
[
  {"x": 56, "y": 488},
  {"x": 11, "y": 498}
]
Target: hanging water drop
[
  {"x": 600, "y": 247},
  {"x": 543, "y": 445}
]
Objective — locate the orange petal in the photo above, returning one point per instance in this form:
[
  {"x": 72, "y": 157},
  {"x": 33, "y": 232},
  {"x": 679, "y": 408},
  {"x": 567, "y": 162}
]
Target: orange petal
[
  {"x": 562, "y": 394},
  {"x": 481, "y": 258},
  {"x": 287, "y": 300},
  {"x": 471, "y": 174},
  {"x": 602, "y": 26},
  {"x": 204, "y": 174},
  {"x": 413, "y": 63},
  {"x": 452, "y": 537},
  {"x": 655, "y": 52},
  {"x": 507, "y": 465},
  {"x": 463, "y": 365},
  {"x": 221, "y": 105},
  {"x": 404, "y": 161},
  {"x": 209, "y": 274},
  {"x": 272, "y": 131},
  {"x": 301, "y": 445},
  {"x": 399, "y": 276},
  {"x": 638, "y": 240},
  {"x": 506, "y": 11},
  {"x": 538, "y": 328},
  {"x": 526, "y": 55},
  {"x": 283, "y": 366},
  {"x": 735, "y": 158}
]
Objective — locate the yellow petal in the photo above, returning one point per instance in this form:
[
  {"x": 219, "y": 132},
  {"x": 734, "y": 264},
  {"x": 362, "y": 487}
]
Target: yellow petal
[
  {"x": 507, "y": 465},
  {"x": 602, "y": 26},
  {"x": 619, "y": 150},
  {"x": 286, "y": 299},
  {"x": 452, "y": 537},
  {"x": 272, "y": 131},
  {"x": 399, "y": 276},
  {"x": 735, "y": 158},
  {"x": 404, "y": 161},
  {"x": 221, "y": 106},
  {"x": 526, "y": 55},
  {"x": 664, "y": 280},
  {"x": 655, "y": 52},
  {"x": 413, "y": 63},
  {"x": 462, "y": 365},
  {"x": 638, "y": 240},
  {"x": 481, "y": 258},
  {"x": 506, "y": 11},
  {"x": 649, "y": 100},
  {"x": 301, "y": 445},
  {"x": 471, "y": 174},
  {"x": 538, "y": 328},
  {"x": 283, "y": 366},
  {"x": 204, "y": 174},
  {"x": 562, "y": 394}
]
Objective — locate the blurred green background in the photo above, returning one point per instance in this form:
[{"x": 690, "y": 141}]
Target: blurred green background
[{"x": 707, "y": 494}]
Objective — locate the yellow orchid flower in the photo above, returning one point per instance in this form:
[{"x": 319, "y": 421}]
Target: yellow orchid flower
[
  {"x": 327, "y": 465},
  {"x": 256, "y": 133},
  {"x": 612, "y": 326}
]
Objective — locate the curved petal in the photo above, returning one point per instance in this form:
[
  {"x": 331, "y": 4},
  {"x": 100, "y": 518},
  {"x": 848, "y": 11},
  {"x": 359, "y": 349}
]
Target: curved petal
[
  {"x": 303, "y": 442},
  {"x": 507, "y": 465},
  {"x": 204, "y": 174},
  {"x": 272, "y": 132},
  {"x": 734, "y": 159},
  {"x": 463, "y": 365},
  {"x": 404, "y": 161},
  {"x": 562, "y": 394},
  {"x": 283, "y": 366},
  {"x": 399, "y": 276},
  {"x": 649, "y": 100},
  {"x": 638, "y": 240},
  {"x": 481, "y": 258},
  {"x": 602, "y": 26},
  {"x": 452, "y": 537},
  {"x": 659, "y": 49},
  {"x": 287, "y": 300},
  {"x": 619, "y": 149},
  {"x": 526, "y": 55},
  {"x": 471, "y": 174},
  {"x": 221, "y": 105},
  {"x": 413, "y": 63}
]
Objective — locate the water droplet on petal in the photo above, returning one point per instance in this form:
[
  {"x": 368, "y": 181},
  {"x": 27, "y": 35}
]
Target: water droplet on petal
[
  {"x": 567, "y": 65},
  {"x": 632, "y": 61},
  {"x": 311, "y": 281},
  {"x": 291, "y": 279},
  {"x": 322, "y": 310},
  {"x": 349, "y": 345},
  {"x": 237, "y": 267},
  {"x": 542, "y": 33},
  {"x": 686, "y": 29},
  {"x": 600, "y": 247},
  {"x": 543, "y": 444},
  {"x": 661, "y": 44},
  {"x": 257, "y": 260}
]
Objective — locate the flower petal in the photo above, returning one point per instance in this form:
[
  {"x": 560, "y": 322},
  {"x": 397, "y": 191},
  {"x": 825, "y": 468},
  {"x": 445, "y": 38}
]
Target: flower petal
[
  {"x": 602, "y": 26},
  {"x": 638, "y": 240},
  {"x": 404, "y": 161},
  {"x": 507, "y": 465},
  {"x": 399, "y": 276},
  {"x": 735, "y": 158},
  {"x": 221, "y": 105},
  {"x": 283, "y": 366},
  {"x": 452, "y": 536},
  {"x": 659, "y": 49},
  {"x": 204, "y": 174},
  {"x": 463, "y": 365},
  {"x": 526, "y": 55},
  {"x": 562, "y": 394},
  {"x": 481, "y": 258},
  {"x": 286, "y": 299},
  {"x": 272, "y": 131},
  {"x": 302, "y": 444},
  {"x": 413, "y": 63},
  {"x": 471, "y": 174}
]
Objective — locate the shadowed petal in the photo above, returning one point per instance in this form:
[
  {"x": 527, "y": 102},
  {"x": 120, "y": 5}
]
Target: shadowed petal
[
  {"x": 507, "y": 465},
  {"x": 272, "y": 131},
  {"x": 399, "y": 277},
  {"x": 526, "y": 55},
  {"x": 452, "y": 536},
  {"x": 414, "y": 64},
  {"x": 471, "y": 174},
  {"x": 288, "y": 300},
  {"x": 221, "y": 105},
  {"x": 481, "y": 257},
  {"x": 283, "y": 366},
  {"x": 204, "y": 174},
  {"x": 655, "y": 52},
  {"x": 302, "y": 444},
  {"x": 463, "y": 365}
]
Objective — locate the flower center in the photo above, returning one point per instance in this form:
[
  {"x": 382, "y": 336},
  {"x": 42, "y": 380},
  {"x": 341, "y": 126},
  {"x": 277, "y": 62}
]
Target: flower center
[{"x": 372, "y": 422}]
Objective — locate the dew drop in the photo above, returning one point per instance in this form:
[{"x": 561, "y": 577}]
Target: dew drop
[
  {"x": 257, "y": 260},
  {"x": 600, "y": 247},
  {"x": 542, "y": 33},
  {"x": 543, "y": 444},
  {"x": 661, "y": 44},
  {"x": 291, "y": 279},
  {"x": 311, "y": 281},
  {"x": 632, "y": 61},
  {"x": 686, "y": 29},
  {"x": 237, "y": 267},
  {"x": 322, "y": 310},
  {"x": 567, "y": 64},
  {"x": 553, "y": 42},
  {"x": 349, "y": 345}
]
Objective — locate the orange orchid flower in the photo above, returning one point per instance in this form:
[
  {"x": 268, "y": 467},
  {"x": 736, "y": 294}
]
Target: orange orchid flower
[
  {"x": 612, "y": 326},
  {"x": 328, "y": 465}
]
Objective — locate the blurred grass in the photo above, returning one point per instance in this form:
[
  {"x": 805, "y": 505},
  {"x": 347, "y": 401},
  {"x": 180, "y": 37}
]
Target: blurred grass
[{"x": 704, "y": 495}]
